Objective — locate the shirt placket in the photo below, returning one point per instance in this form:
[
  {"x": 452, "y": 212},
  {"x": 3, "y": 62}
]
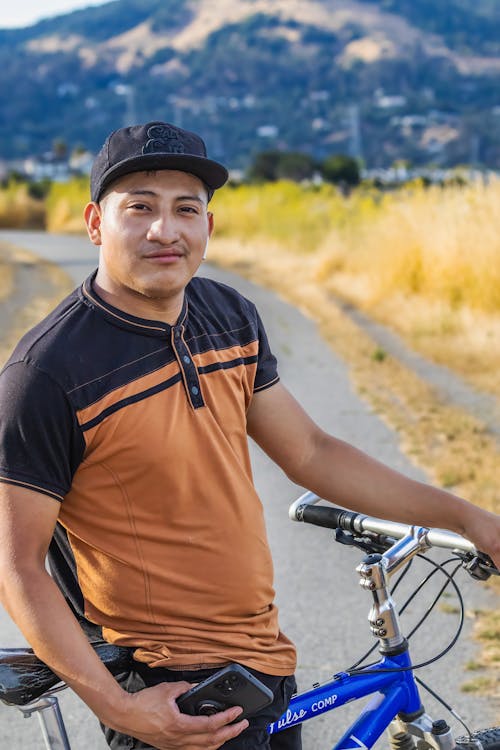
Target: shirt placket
[{"x": 188, "y": 368}]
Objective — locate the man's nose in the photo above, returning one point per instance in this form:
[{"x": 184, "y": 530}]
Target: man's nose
[{"x": 163, "y": 229}]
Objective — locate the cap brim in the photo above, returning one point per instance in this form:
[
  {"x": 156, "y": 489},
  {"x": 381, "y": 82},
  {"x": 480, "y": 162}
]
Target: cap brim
[{"x": 213, "y": 174}]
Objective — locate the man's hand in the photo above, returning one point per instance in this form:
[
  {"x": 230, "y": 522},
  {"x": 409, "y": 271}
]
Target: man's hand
[
  {"x": 152, "y": 715},
  {"x": 483, "y": 530}
]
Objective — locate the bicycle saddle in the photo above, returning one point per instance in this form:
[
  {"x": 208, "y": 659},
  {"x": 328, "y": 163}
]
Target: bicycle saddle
[{"x": 24, "y": 678}]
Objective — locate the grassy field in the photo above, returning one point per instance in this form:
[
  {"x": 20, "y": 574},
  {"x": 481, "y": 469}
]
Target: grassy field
[
  {"x": 426, "y": 262},
  {"x": 18, "y": 209}
]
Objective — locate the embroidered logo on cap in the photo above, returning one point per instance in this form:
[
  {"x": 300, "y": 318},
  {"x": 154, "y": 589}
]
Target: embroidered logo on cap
[{"x": 163, "y": 139}]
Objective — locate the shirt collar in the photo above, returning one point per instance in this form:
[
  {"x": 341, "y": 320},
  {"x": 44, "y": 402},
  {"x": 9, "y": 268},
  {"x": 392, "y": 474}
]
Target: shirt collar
[{"x": 123, "y": 319}]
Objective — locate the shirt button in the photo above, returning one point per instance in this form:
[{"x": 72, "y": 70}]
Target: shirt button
[
  {"x": 194, "y": 390},
  {"x": 186, "y": 359}
]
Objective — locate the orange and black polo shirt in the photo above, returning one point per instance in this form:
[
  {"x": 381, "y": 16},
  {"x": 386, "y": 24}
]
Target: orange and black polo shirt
[{"x": 138, "y": 429}]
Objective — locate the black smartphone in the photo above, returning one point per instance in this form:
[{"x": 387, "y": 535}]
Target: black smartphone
[{"x": 231, "y": 686}]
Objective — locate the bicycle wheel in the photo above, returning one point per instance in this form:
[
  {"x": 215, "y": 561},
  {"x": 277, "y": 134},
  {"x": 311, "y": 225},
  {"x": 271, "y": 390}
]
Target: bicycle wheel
[{"x": 489, "y": 738}]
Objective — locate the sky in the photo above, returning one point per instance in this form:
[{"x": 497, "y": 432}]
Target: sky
[{"x": 27, "y": 12}]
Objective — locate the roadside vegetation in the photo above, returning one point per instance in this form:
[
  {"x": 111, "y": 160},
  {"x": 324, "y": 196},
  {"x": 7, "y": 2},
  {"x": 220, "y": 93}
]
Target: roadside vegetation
[{"x": 423, "y": 260}]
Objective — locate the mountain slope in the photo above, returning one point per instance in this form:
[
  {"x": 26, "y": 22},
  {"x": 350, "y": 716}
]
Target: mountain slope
[{"x": 380, "y": 79}]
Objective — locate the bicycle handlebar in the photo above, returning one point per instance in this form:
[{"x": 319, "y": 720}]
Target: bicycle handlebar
[{"x": 305, "y": 509}]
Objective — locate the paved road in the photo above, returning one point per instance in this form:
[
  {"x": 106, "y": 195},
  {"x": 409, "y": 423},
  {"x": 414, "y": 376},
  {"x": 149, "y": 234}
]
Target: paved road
[{"x": 322, "y": 607}]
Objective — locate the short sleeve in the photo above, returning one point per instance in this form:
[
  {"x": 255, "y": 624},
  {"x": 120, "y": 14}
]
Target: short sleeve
[
  {"x": 267, "y": 366},
  {"x": 41, "y": 444}
]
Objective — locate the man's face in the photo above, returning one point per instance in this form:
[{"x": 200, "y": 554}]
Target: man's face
[{"x": 153, "y": 228}]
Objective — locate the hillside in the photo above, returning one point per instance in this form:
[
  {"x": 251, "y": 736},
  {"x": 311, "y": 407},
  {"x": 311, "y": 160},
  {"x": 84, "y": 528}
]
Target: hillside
[{"x": 380, "y": 79}]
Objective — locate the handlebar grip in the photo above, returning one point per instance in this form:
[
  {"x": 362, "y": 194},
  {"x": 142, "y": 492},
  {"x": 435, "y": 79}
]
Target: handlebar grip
[{"x": 328, "y": 517}]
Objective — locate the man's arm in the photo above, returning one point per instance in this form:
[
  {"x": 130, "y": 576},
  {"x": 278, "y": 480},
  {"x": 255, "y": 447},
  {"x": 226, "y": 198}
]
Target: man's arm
[
  {"x": 348, "y": 477},
  {"x": 27, "y": 522}
]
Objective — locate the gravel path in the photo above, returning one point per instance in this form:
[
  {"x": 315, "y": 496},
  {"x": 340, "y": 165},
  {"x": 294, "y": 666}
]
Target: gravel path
[{"x": 322, "y": 607}]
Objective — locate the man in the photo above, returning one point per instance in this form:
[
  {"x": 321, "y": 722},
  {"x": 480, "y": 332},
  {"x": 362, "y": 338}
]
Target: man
[{"x": 124, "y": 422}]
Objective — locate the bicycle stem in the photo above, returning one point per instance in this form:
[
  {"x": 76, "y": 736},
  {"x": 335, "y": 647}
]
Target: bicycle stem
[{"x": 375, "y": 572}]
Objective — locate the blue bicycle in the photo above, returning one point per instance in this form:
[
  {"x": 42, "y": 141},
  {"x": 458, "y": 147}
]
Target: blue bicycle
[{"x": 396, "y": 706}]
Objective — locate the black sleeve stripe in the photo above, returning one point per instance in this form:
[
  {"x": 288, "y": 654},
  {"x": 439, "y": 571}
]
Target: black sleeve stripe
[{"x": 35, "y": 487}]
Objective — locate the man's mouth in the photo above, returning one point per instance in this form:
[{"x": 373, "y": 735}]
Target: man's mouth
[{"x": 164, "y": 255}]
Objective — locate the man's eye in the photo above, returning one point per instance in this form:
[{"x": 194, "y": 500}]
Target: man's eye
[
  {"x": 188, "y": 209},
  {"x": 139, "y": 206}
]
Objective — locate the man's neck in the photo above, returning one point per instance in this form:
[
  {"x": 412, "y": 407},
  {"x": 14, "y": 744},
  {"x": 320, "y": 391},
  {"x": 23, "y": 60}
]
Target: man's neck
[{"x": 140, "y": 306}]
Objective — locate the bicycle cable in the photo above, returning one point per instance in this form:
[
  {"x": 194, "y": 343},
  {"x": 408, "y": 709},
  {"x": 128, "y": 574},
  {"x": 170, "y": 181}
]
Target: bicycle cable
[
  {"x": 438, "y": 567},
  {"x": 450, "y": 579},
  {"x": 372, "y": 648}
]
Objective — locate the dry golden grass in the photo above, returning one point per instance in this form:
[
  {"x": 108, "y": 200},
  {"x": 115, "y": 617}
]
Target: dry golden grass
[
  {"x": 428, "y": 265},
  {"x": 424, "y": 262},
  {"x": 18, "y": 210},
  {"x": 442, "y": 244},
  {"x": 486, "y": 630},
  {"x": 65, "y": 204}
]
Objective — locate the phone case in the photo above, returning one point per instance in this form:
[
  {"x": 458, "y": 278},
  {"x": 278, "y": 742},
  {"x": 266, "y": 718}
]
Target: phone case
[{"x": 231, "y": 686}]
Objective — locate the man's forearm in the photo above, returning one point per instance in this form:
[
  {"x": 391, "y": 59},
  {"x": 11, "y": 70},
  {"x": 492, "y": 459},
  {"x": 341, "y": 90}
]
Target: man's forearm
[
  {"x": 38, "y": 608},
  {"x": 344, "y": 475}
]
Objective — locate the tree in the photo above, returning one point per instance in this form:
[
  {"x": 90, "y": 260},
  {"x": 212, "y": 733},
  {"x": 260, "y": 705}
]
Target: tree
[
  {"x": 295, "y": 166},
  {"x": 269, "y": 166},
  {"x": 60, "y": 148},
  {"x": 341, "y": 170},
  {"x": 265, "y": 166}
]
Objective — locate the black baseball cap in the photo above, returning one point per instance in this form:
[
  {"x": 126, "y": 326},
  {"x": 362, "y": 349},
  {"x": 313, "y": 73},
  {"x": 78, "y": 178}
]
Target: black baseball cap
[{"x": 156, "y": 145}]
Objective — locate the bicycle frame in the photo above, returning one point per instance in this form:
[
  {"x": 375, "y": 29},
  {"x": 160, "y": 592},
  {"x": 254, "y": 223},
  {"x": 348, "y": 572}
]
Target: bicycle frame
[{"x": 396, "y": 692}]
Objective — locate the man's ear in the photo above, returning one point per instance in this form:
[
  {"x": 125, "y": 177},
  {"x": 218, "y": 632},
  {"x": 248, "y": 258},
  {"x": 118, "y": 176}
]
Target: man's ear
[
  {"x": 210, "y": 217},
  {"x": 92, "y": 215}
]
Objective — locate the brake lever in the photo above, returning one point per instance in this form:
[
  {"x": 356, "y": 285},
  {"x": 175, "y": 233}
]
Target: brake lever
[
  {"x": 479, "y": 566},
  {"x": 378, "y": 543}
]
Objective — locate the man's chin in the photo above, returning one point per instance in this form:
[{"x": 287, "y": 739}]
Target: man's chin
[{"x": 158, "y": 290}]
